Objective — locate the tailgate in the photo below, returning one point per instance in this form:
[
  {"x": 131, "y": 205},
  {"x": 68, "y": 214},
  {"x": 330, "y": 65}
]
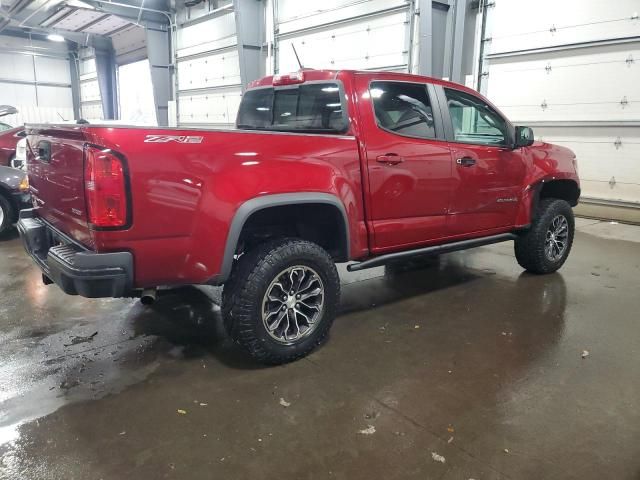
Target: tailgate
[{"x": 55, "y": 164}]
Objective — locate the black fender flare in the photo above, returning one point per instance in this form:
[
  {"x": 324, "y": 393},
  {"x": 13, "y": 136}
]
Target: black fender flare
[
  {"x": 256, "y": 204},
  {"x": 540, "y": 184}
]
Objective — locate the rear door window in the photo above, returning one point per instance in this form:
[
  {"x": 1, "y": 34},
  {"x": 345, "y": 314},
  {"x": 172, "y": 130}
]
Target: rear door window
[
  {"x": 403, "y": 108},
  {"x": 314, "y": 108}
]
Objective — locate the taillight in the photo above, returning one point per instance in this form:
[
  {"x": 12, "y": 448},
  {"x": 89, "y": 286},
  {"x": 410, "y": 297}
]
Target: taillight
[{"x": 105, "y": 188}]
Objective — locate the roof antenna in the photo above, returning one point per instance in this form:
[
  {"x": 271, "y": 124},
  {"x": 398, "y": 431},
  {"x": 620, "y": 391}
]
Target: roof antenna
[{"x": 296, "y": 54}]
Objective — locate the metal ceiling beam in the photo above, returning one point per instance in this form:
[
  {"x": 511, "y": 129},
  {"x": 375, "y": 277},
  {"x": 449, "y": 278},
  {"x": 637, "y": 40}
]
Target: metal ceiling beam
[
  {"x": 5, "y": 19},
  {"x": 151, "y": 17},
  {"x": 86, "y": 39},
  {"x": 19, "y": 6},
  {"x": 21, "y": 16},
  {"x": 46, "y": 21},
  {"x": 33, "y": 13}
]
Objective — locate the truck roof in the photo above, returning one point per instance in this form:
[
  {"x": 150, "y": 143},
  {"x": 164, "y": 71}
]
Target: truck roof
[{"x": 319, "y": 75}]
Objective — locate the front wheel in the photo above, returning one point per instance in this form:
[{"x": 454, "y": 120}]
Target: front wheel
[
  {"x": 546, "y": 245},
  {"x": 281, "y": 300},
  {"x": 6, "y": 214}
]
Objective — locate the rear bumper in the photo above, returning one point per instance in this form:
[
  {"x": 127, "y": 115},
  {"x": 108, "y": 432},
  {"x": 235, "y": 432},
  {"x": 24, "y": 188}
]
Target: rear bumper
[{"x": 75, "y": 270}]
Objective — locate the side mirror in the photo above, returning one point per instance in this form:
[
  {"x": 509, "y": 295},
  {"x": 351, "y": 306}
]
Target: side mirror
[
  {"x": 524, "y": 137},
  {"x": 44, "y": 151}
]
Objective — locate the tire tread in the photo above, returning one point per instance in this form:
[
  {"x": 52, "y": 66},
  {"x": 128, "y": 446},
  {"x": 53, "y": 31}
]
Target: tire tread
[
  {"x": 9, "y": 213},
  {"x": 529, "y": 247},
  {"x": 250, "y": 275}
]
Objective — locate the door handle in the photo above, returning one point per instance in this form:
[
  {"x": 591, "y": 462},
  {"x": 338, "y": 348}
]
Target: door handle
[
  {"x": 390, "y": 159},
  {"x": 466, "y": 161}
]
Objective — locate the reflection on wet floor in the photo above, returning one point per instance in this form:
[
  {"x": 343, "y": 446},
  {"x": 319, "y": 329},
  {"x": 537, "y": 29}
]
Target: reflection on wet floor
[{"x": 465, "y": 355}]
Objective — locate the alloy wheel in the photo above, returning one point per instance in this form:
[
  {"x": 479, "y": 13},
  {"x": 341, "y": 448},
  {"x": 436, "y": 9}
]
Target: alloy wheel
[
  {"x": 556, "y": 238},
  {"x": 292, "y": 304}
]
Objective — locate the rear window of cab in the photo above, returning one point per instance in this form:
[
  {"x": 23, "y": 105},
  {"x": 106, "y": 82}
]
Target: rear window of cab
[{"x": 306, "y": 108}]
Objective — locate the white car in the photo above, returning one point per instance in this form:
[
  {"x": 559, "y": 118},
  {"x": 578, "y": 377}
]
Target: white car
[{"x": 20, "y": 158}]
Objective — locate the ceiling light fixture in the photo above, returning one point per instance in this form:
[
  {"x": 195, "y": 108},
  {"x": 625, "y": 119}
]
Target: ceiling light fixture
[{"x": 54, "y": 37}]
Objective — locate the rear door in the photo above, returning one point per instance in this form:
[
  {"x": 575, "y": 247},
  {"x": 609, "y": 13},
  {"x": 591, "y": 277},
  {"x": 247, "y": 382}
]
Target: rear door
[
  {"x": 55, "y": 163},
  {"x": 487, "y": 173},
  {"x": 408, "y": 162}
]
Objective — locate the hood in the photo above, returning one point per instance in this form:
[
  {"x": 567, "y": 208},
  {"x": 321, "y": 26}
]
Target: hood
[
  {"x": 553, "y": 161},
  {"x": 11, "y": 177}
]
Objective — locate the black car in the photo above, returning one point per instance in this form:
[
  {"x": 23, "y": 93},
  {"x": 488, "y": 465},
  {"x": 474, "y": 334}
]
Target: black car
[{"x": 14, "y": 196}]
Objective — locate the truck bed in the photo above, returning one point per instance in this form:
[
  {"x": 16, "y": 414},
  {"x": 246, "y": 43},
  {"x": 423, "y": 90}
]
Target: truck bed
[{"x": 185, "y": 185}]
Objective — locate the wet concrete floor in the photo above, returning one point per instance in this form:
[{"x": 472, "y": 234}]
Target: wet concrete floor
[{"x": 457, "y": 369}]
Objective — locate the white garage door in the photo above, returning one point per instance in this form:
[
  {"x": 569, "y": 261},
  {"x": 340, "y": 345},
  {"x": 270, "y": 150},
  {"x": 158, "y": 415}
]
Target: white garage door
[
  {"x": 343, "y": 34},
  {"x": 571, "y": 70},
  {"x": 209, "y": 85},
  {"x": 90, "y": 99},
  {"x": 371, "y": 34},
  {"x": 36, "y": 79}
]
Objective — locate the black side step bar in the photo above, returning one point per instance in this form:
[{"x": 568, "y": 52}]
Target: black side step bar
[{"x": 434, "y": 250}]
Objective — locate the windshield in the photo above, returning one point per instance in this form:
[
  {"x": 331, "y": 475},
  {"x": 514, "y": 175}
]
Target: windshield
[
  {"x": 314, "y": 108},
  {"x": 4, "y": 126}
]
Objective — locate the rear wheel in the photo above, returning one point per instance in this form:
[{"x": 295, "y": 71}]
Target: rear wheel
[
  {"x": 6, "y": 214},
  {"x": 546, "y": 246},
  {"x": 281, "y": 300}
]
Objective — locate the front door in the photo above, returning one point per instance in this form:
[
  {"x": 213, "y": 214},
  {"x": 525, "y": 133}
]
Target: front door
[
  {"x": 409, "y": 167},
  {"x": 487, "y": 173}
]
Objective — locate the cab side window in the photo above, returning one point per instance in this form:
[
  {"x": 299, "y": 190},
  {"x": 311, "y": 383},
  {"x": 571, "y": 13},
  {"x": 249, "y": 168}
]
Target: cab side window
[
  {"x": 474, "y": 121},
  {"x": 403, "y": 108}
]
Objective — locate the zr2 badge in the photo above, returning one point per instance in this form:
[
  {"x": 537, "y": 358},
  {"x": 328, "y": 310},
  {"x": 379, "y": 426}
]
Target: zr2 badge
[{"x": 172, "y": 138}]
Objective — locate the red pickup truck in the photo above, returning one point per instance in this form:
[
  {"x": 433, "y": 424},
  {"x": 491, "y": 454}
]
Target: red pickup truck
[{"x": 324, "y": 167}]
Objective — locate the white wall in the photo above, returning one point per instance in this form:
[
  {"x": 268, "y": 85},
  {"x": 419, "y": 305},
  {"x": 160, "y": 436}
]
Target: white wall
[
  {"x": 35, "y": 78},
  {"x": 571, "y": 70}
]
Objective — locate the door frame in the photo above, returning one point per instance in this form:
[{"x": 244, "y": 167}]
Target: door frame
[
  {"x": 450, "y": 134},
  {"x": 366, "y": 129}
]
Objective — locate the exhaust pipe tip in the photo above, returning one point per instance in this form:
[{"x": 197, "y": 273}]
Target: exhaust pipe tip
[{"x": 149, "y": 296}]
